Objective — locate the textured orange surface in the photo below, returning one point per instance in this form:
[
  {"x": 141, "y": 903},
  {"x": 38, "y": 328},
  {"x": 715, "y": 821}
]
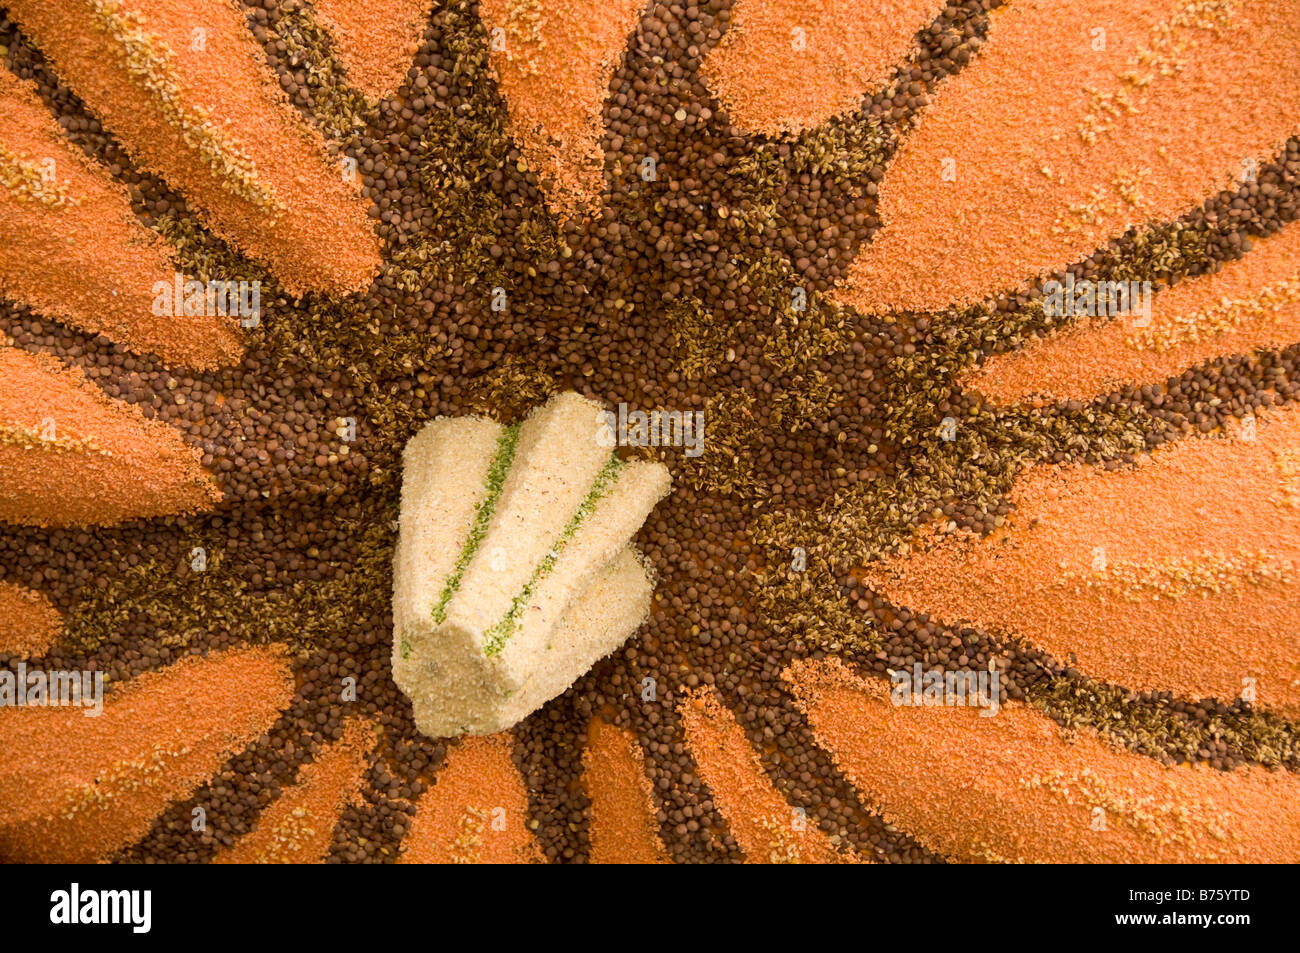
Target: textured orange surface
[
  {"x": 763, "y": 824},
  {"x": 298, "y": 827},
  {"x": 1182, "y": 574},
  {"x": 786, "y": 65},
  {"x": 554, "y": 63},
  {"x": 623, "y": 825},
  {"x": 70, "y": 455},
  {"x": 1014, "y": 788},
  {"x": 375, "y": 39},
  {"x": 75, "y": 788},
  {"x": 1248, "y": 304},
  {"x": 476, "y": 812},
  {"x": 29, "y": 625},
  {"x": 1028, "y": 192},
  {"x": 321, "y": 238},
  {"x": 86, "y": 260}
]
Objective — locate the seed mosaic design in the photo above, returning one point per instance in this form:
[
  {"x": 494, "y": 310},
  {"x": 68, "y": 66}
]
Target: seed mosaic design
[{"x": 828, "y": 226}]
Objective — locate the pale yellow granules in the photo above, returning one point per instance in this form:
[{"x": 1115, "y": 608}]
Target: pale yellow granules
[
  {"x": 1104, "y": 201},
  {"x": 122, "y": 776},
  {"x": 1162, "y": 57},
  {"x": 36, "y": 439},
  {"x": 288, "y": 838},
  {"x": 1226, "y": 315},
  {"x": 783, "y": 849},
  {"x": 468, "y": 845},
  {"x": 1190, "y": 824},
  {"x": 1202, "y": 574},
  {"x": 1288, "y": 468},
  {"x": 985, "y": 853},
  {"x": 26, "y": 180},
  {"x": 524, "y": 20}
]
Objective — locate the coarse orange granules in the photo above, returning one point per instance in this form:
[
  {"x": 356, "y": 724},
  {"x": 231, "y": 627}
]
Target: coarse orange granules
[
  {"x": 29, "y": 625},
  {"x": 1014, "y": 787},
  {"x": 476, "y": 812},
  {"x": 1248, "y": 304},
  {"x": 70, "y": 455},
  {"x": 787, "y": 65},
  {"x": 554, "y": 63},
  {"x": 73, "y": 249},
  {"x": 75, "y": 788},
  {"x": 375, "y": 39},
  {"x": 1180, "y": 574},
  {"x": 623, "y": 825},
  {"x": 763, "y": 824},
  {"x": 186, "y": 88},
  {"x": 1132, "y": 112},
  {"x": 298, "y": 827}
]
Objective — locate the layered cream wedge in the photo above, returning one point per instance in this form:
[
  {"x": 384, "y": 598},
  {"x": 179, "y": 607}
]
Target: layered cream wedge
[{"x": 513, "y": 572}]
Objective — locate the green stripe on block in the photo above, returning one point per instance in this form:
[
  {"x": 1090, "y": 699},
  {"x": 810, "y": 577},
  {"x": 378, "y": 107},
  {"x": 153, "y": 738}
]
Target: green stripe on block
[
  {"x": 499, "y": 634},
  {"x": 483, "y": 510}
]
